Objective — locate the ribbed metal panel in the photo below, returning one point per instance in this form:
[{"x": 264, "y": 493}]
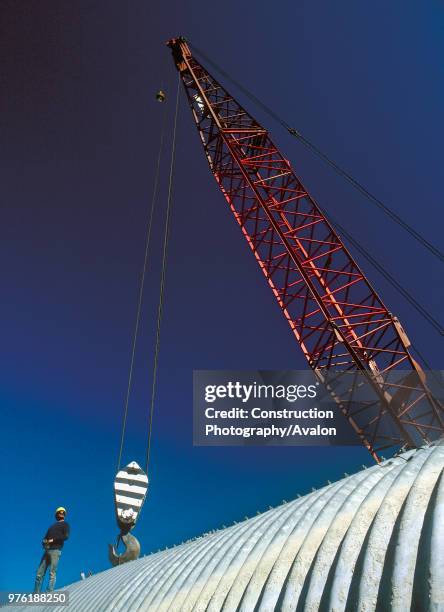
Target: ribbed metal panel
[{"x": 372, "y": 541}]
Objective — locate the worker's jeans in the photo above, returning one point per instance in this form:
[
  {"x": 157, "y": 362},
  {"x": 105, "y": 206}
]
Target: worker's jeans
[{"x": 51, "y": 558}]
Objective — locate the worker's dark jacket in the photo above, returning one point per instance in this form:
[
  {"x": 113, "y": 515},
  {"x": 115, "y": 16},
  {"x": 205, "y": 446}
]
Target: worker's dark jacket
[{"x": 59, "y": 532}]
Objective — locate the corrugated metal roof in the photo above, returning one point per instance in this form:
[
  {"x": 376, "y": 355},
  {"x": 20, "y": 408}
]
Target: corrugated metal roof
[{"x": 372, "y": 541}]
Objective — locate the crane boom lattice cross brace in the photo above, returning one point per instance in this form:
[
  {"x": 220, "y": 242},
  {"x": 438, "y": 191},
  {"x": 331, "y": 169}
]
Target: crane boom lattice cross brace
[{"x": 336, "y": 316}]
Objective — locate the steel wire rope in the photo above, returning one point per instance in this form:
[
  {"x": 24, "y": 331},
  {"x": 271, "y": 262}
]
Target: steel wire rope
[
  {"x": 142, "y": 282},
  {"x": 308, "y": 144},
  {"x": 162, "y": 277},
  {"x": 432, "y": 372},
  {"x": 380, "y": 268}
]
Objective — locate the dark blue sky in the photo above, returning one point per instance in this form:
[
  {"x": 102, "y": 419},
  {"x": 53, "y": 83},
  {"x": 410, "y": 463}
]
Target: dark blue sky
[{"x": 80, "y": 130}]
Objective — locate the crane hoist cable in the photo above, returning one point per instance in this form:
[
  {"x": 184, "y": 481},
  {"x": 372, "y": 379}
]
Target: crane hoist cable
[
  {"x": 309, "y": 145},
  {"x": 142, "y": 284},
  {"x": 162, "y": 282},
  {"x": 162, "y": 277},
  {"x": 160, "y": 97},
  {"x": 131, "y": 482}
]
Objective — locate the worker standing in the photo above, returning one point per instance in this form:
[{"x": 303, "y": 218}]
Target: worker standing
[{"x": 53, "y": 544}]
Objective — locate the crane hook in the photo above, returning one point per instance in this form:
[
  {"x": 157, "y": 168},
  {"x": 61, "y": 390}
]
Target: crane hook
[
  {"x": 131, "y": 552},
  {"x": 130, "y": 489}
]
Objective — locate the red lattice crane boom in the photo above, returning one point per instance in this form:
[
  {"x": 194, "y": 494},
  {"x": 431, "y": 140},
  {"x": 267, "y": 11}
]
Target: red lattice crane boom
[{"x": 337, "y": 317}]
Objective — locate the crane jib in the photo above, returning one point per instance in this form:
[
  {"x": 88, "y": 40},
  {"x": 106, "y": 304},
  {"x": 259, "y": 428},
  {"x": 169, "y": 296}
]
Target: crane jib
[{"x": 335, "y": 314}]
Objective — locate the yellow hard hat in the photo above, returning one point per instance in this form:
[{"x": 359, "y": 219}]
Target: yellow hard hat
[{"x": 60, "y": 509}]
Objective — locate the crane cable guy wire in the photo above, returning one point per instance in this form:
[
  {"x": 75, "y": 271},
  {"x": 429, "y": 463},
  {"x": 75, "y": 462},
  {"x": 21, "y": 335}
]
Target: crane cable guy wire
[
  {"x": 407, "y": 295},
  {"x": 142, "y": 283},
  {"x": 162, "y": 277},
  {"x": 308, "y": 144},
  {"x": 380, "y": 268}
]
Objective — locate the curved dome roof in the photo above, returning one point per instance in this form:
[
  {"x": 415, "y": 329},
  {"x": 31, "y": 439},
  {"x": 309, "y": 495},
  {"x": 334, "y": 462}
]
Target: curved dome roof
[{"x": 372, "y": 541}]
